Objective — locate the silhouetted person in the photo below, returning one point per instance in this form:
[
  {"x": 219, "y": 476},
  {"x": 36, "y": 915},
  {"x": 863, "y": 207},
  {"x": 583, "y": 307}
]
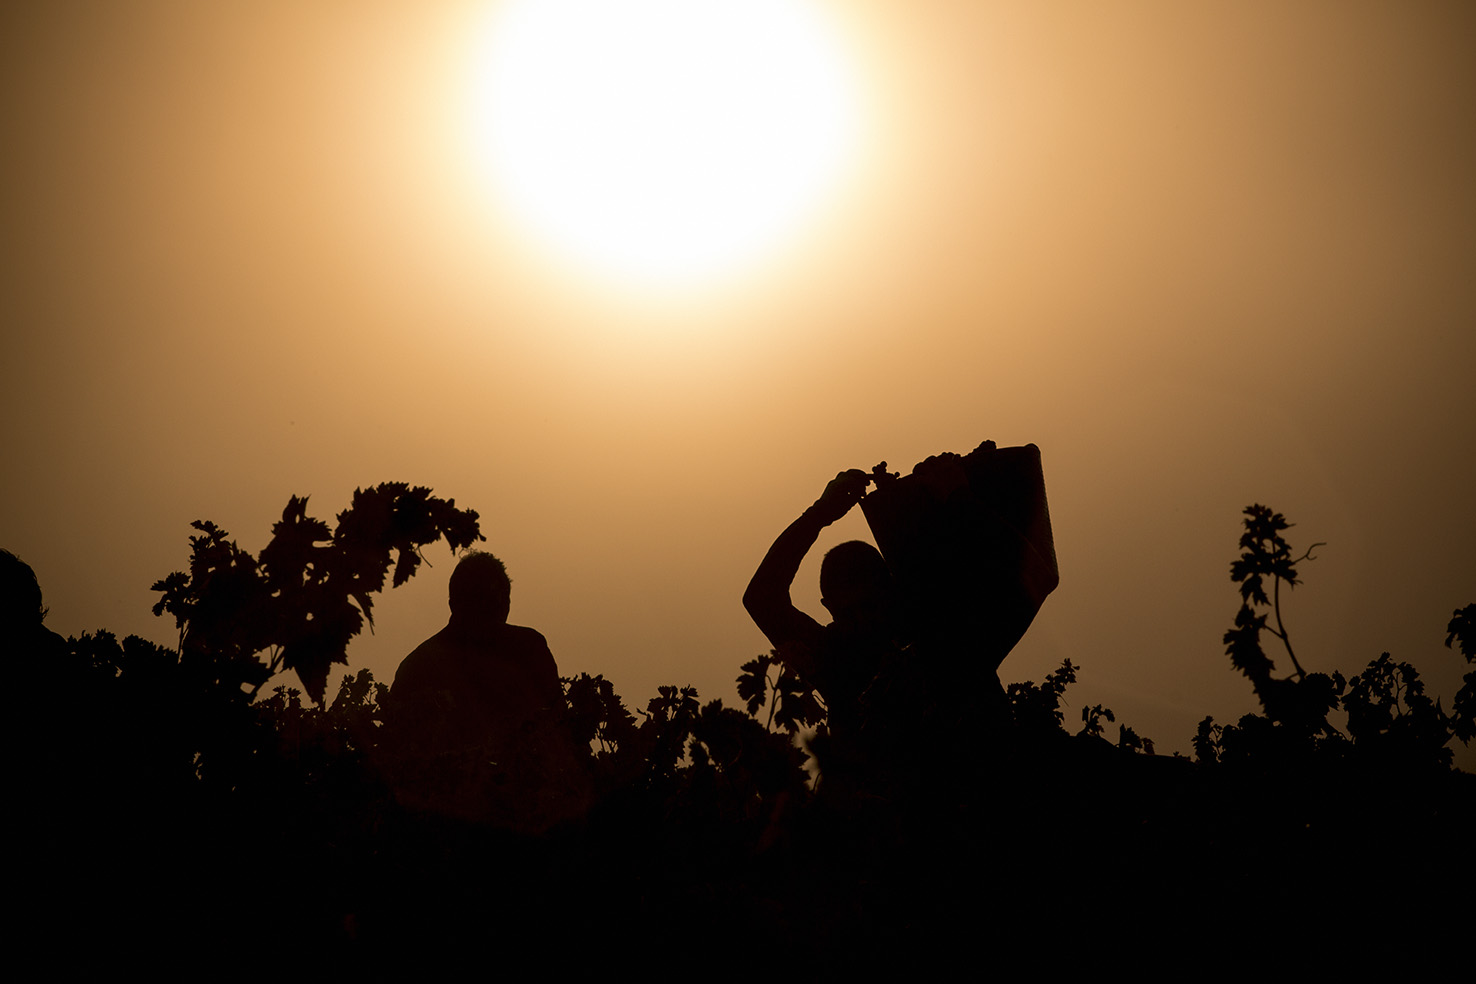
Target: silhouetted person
[
  {"x": 968, "y": 540},
  {"x": 479, "y": 678},
  {"x": 908, "y": 667},
  {"x": 64, "y": 770},
  {"x": 477, "y": 712},
  {"x": 839, "y": 660},
  {"x": 22, "y": 615}
]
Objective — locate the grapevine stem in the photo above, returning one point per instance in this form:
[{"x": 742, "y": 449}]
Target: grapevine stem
[{"x": 1281, "y": 629}]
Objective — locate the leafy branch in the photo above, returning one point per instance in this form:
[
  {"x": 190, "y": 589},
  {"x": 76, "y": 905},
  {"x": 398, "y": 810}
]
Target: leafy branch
[
  {"x": 1037, "y": 707},
  {"x": 1462, "y": 628},
  {"x": 309, "y": 592},
  {"x": 792, "y": 704},
  {"x": 1264, "y": 552},
  {"x": 1389, "y": 716}
]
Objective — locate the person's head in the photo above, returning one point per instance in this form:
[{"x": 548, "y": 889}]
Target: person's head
[
  {"x": 480, "y": 588},
  {"x": 856, "y": 586},
  {"x": 20, "y": 594}
]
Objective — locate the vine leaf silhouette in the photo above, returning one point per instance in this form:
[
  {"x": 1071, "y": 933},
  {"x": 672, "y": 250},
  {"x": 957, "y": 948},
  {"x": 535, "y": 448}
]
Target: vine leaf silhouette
[
  {"x": 1462, "y": 628},
  {"x": 309, "y": 592}
]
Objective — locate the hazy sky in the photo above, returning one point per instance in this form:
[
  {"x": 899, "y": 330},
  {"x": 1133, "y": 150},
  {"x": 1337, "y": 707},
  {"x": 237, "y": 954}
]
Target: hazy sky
[{"x": 1202, "y": 254}]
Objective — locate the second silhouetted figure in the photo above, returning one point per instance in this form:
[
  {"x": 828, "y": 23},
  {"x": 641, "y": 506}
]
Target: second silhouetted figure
[{"x": 839, "y": 660}]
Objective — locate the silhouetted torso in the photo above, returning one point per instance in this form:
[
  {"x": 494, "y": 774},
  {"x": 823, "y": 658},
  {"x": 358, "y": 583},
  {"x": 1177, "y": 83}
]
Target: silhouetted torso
[
  {"x": 477, "y": 731},
  {"x": 840, "y": 663},
  {"x": 474, "y": 684}
]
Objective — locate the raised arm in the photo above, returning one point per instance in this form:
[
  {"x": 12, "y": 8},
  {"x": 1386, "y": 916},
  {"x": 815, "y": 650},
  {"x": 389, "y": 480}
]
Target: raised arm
[{"x": 767, "y": 598}]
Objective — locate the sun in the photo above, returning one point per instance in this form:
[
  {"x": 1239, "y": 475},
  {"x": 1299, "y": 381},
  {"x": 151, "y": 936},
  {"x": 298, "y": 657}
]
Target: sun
[{"x": 664, "y": 141}]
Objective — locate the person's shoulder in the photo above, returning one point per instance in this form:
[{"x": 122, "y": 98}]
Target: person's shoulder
[
  {"x": 529, "y": 648},
  {"x": 525, "y": 638},
  {"x": 422, "y": 659},
  {"x": 799, "y": 627},
  {"x": 431, "y": 649}
]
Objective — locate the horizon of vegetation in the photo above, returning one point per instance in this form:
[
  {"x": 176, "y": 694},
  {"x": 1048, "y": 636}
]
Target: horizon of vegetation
[{"x": 724, "y": 801}]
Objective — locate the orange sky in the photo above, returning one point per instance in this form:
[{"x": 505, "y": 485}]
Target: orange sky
[{"x": 1202, "y": 255}]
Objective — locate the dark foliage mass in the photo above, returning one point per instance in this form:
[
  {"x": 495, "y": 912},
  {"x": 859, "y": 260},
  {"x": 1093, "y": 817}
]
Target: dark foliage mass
[
  {"x": 710, "y": 843},
  {"x": 309, "y": 593},
  {"x": 1389, "y": 717}
]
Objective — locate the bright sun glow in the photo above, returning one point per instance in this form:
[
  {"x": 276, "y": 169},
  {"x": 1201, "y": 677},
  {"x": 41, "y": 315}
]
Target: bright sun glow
[{"x": 664, "y": 141}]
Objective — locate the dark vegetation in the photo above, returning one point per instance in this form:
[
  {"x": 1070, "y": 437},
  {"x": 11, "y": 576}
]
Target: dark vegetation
[{"x": 168, "y": 800}]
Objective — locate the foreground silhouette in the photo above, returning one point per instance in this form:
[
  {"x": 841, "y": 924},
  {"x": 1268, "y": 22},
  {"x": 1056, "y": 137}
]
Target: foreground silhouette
[
  {"x": 840, "y": 660},
  {"x": 477, "y": 713},
  {"x": 920, "y": 626},
  {"x": 164, "y": 808},
  {"x": 22, "y": 614}
]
